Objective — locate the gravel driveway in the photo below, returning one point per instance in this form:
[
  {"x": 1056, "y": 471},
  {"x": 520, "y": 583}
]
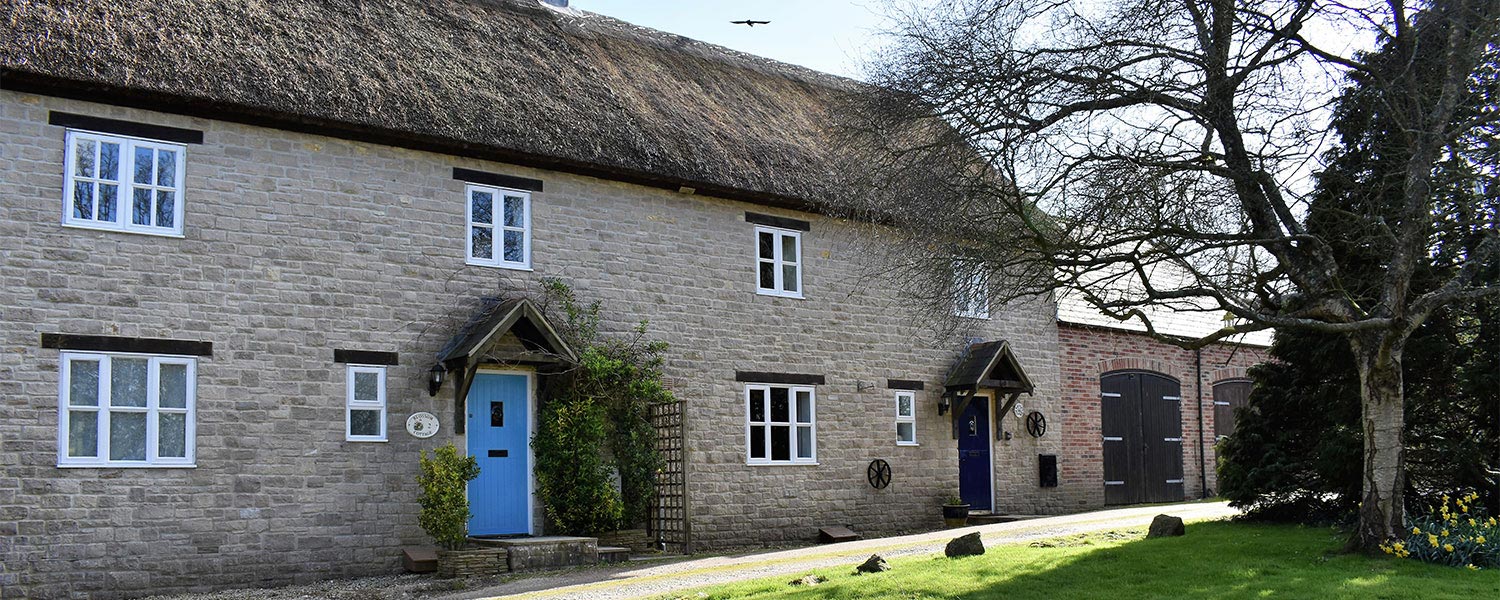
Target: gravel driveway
[{"x": 648, "y": 579}]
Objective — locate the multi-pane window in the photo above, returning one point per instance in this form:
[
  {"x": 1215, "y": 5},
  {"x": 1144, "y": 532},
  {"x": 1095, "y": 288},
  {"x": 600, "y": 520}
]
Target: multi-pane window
[
  {"x": 780, "y": 424},
  {"x": 123, "y": 183},
  {"x": 779, "y": 262},
  {"x": 126, "y": 410},
  {"x": 365, "y": 407},
  {"x": 906, "y": 419},
  {"x": 971, "y": 295},
  {"x": 499, "y": 227}
]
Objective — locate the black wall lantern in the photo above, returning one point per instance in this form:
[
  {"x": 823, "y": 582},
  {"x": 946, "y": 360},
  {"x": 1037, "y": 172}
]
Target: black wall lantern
[
  {"x": 943, "y": 405},
  {"x": 435, "y": 379}
]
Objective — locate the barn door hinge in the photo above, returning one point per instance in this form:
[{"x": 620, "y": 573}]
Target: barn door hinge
[
  {"x": 1108, "y": 395},
  {"x": 1174, "y": 481},
  {"x": 1113, "y": 438},
  {"x": 1171, "y": 439},
  {"x": 1172, "y": 398}
]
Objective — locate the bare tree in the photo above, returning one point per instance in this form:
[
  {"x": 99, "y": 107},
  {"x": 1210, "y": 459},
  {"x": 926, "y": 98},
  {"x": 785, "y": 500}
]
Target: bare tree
[{"x": 1149, "y": 153}]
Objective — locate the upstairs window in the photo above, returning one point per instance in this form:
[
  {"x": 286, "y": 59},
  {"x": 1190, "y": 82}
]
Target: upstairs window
[
  {"x": 123, "y": 184},
  {"x": 906, "y": 419},
  {"x": 779, "y": 262},
  {"x": 780, "y": 424},
  {"x": 971, "y": 289},
  {"x": 499, "y": 227},
  {"x": 126, "y": 410}
]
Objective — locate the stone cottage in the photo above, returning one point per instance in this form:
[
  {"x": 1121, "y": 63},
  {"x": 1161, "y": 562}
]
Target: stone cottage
[{"x": 248, "y": 249}]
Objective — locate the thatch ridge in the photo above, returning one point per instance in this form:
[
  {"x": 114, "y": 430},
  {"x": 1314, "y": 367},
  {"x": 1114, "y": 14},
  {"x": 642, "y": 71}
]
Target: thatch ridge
[{"x": 498, "y": 77}]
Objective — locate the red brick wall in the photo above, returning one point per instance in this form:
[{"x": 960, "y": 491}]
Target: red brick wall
[{"x": 1089, "y": 352}]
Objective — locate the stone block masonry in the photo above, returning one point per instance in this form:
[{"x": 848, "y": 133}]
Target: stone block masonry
[{"x": 295, "y": 245}]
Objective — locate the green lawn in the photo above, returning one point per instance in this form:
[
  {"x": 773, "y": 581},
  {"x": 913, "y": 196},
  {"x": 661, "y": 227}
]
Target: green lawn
[{"x": 1214, "y": 560}]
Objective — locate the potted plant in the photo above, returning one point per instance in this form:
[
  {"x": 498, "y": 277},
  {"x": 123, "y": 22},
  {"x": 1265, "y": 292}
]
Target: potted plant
[
  {"x": 444, "y": 479},
  {"x": 955, "y": 511}
]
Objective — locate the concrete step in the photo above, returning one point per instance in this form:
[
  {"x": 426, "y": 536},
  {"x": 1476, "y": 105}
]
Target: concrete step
[
  {"x": 419, "y": 559},
  {"x": 613, "y": 554}
]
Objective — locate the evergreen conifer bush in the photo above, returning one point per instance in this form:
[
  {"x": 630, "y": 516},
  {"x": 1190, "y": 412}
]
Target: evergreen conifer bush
[{"x": 445, "y": 503}]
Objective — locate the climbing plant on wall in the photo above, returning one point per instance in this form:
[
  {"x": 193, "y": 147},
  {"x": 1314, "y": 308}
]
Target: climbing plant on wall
[{"x": 595, "y": 422}]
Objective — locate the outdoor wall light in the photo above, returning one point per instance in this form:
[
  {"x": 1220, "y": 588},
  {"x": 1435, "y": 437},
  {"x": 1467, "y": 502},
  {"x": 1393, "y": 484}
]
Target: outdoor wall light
[
  {"x": 435, "y": 379},
  {"x": 943, "y": 405}
]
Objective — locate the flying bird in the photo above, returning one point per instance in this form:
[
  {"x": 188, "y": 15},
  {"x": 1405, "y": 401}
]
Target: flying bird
[{"x": 749, "y": 23}]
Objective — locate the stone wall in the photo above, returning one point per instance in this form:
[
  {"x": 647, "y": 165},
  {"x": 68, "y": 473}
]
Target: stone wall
[
  {"x": 296, "y": 245},
  {"x": 1089, "y": 352}
]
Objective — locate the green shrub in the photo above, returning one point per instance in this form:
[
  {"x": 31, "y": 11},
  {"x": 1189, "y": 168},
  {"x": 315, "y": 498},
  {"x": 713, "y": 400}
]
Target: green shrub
[
  {"x": 571, "y": 475},
  {"x": 444, "y": 501},
  {"x": 1460, "y": 536}
]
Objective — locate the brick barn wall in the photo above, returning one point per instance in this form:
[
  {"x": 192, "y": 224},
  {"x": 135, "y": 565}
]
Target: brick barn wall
[{"x": 1089, "y": 352}]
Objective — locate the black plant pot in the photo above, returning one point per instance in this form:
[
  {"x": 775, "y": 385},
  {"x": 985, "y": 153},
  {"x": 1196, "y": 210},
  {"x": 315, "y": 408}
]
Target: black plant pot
[{"x": 955, "y": 515}]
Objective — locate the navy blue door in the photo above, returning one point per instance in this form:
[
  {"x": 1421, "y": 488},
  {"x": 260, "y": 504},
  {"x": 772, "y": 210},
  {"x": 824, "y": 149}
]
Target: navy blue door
[
  {"x": 499, "y": 431},
  {"x": 974, "y": 476}
]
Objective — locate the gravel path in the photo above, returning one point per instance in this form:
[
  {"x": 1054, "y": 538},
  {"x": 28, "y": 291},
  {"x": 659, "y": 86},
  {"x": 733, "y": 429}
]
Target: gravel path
[{"x": 650, "y": 579}]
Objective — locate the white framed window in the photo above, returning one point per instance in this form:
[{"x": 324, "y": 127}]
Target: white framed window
[
  {"x": 126, "y": 410},
  {"x": 971, "y": 289},
  {"x": 906, "y": 418},
  {"x": 364, "y": 407},
  {"x": 780, "y": 424},
  {"x": 778, "y": 262},
  {"x": 123, "y": 184},
  {"x": 499, "y": 227}
]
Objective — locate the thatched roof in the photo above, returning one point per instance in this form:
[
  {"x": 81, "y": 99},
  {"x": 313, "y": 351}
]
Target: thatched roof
[{"x": 508, "y": 80}]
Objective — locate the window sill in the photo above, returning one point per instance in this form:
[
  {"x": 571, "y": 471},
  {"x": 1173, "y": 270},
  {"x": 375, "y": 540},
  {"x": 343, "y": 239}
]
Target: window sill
[
  {"x": 124, "y": 466},
  {"x": 910, "y": 444},
  {"x": 165, "y": 234},
  {"x": 781, "y": 464},
  {"x": 354, "y": 439},
  {"x": 975, "y": 317},
  {"x": 496, "y": 265},
  {"x": 776, "y": 294}
]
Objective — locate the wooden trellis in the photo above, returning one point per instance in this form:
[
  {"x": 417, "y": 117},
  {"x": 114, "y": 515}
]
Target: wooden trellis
[{"x": 668, "y": 525}]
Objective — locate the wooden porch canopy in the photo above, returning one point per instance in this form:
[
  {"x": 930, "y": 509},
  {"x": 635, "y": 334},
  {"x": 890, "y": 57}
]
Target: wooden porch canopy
[
  {"x": 483, "y": 341},
  {"x": 986, "y": 366}
]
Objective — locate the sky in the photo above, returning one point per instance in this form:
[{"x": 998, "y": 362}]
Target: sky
[{"x": 824, "y": 35}]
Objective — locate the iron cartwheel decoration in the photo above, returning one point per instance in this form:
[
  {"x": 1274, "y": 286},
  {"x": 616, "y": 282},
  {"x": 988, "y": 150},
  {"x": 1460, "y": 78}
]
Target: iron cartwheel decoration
[
  {"x": 879, "y": 473},
  {"x": 1036, "y": 424}
]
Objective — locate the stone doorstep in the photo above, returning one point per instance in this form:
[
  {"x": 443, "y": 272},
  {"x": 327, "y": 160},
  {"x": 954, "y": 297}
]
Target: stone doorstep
[
  {"x": 988, "y": 518},
  {"x": 613, "y": 554},
  {"x": 545, "y": 552},
  {"x": 541, "y": 540}
]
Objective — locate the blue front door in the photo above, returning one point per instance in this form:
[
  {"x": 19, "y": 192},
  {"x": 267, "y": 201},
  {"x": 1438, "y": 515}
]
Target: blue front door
[
  {"x": 499, "y": 431},
  {"x": 974, "y": 476}
]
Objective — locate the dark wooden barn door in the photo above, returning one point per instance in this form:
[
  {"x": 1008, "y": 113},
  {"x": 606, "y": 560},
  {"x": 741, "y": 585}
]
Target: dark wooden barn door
[
  {"x": 1141, "y": 419},
  {"x": 1229, "y": 396}
]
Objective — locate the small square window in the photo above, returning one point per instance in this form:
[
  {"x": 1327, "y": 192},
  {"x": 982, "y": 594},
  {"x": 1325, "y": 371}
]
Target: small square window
[
  {"x": 364, "y": 405},
  {"x": 123, "y": 184},
  {"x": 971, "y": 296},
  {"x": 499, "y": 227},
  {"x": 778, "y": 255},
  {"x": 906, "y": 419}
]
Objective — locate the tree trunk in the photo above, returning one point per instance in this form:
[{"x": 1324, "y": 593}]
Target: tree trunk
[{"x": 1382, "y": 511}]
